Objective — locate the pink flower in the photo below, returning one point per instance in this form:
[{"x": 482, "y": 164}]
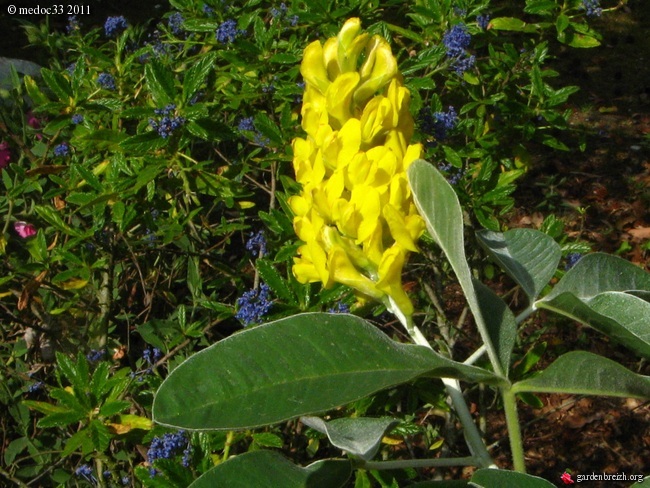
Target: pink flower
[
  {"x": 24, "y": 229},
  {"x": 34, "y": 123},
  {"x": 5, "y": 155}
]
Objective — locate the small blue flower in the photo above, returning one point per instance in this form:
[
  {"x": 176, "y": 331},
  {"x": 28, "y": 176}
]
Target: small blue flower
[
  {"x": 207, "y": 10},
  {"x": 126, "y": 480},
  {"x": 95, "y": 355},
  {"x": 77, "y": 119},
  {"x": 114, "y": 26},
  {"x": 438, "y": 124},
  {"x": 463, "y": 63},
  {"x": 453, "y": 175},
  {"x": 73, "y": 24},
  {"x": 86, "y": 472},
  {"x": 572, "y": 259},
  {"x": 340, "y": 308},
  {"x": 456, "y": 40},
  {"x": 592, "y": 8},
  {"x": 35, "y": 387},
  {"x": 227, "y": 32},
  {"x": 257, "y": 243},
  {"x": 106, "y": 81},
  {"x": 166, "y": 447},
  {"x": 246, "y": 124},
  {"x": 483, "y": 20},
  {"x": 62, "y": 150},
  {"x": 168, "y": 122},
  {"x": 253, "y": 305},
  {"x": 279, "y": 12},
  {"x": 175, "y": 23}
]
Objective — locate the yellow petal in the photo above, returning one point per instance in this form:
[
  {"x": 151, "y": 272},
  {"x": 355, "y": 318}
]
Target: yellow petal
[
  {"x": 339, "y": 97},
  {"x": 398, "y": 228},
  {"x": 343, "y": 271},
  {"x": 390, "y": 278},
  {"x": 313, "y": 68},
  {"x": 378, "y": 69}
]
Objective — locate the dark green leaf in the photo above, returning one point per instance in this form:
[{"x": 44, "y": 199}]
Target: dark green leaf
[
  {"x": 492, "y": 478},
  {"x": 99, "y": 434},
  {"x": 584, "y": 373},
  {"x": 500, "y": 323},
  {"x": 60, "y": 419},
  {"x": 268, "y": 469},
  {"x": 196, "y": 75},
  {"x": 359, "y": 437},
  {"x": 438, "y": 205},
  {"x": 528, "y": 256},
  {"x": 276, "y": 283},
  {"x": 143, "y": 143},
  {"x": 160, "y": 83},
  {"x": 58, "y": 84},
  {"x": 251, "y": 379},
  {"x": 111, "y": 408}
]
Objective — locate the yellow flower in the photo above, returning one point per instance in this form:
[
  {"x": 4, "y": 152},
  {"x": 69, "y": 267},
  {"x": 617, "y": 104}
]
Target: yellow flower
[{"x": 355, "y": 213}]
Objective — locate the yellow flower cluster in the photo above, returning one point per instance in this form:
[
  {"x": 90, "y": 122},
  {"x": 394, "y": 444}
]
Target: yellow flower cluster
[{"x": 355, "y": 214}]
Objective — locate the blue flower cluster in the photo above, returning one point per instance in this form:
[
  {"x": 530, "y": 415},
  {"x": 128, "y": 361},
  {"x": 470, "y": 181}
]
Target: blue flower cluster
[
  {"x": 227, "y": 32},
  {"x": 438, "y": 124},
  {"x": 168, "y": 122},
  {"x": 281, "y": 13},
  {"x": 62, "y": 150},
  {"x": 115, "y": 25},
  {"x": 151, "y": 355},
  {"x": 253, "y": 305},
  {"x": 86, "y": 472},
  {"x": 456, "y": 40},
  {"x": 168, "y": 446},
  {"x": 592, "y": 8},
  {"x": 246, "y": 125},
  {"x": 35, "y": 387},
  {"x": 256, "y": 243},
  {"x": 340, "y": 308},
  {"x": 453, "y": 175},
  {"x": 73, "y": 24},
  {"x": 175, "y": 23},
  {"x": 572, "y": 259},
  {"x": 95, "y": 355},
  {"x": 106, "y": 81},
  {"x": 483, "y": 21},
  {"x": 77, "y": 119}
]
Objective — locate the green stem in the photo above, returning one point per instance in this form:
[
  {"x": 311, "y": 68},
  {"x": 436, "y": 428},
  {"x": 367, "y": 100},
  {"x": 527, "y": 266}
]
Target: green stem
[
  {"x": 480, "y": 455},
  {"x": 418, "y": 463},
  {"x": 226, "y": 448},
  {"x": 514, "y": 430}
]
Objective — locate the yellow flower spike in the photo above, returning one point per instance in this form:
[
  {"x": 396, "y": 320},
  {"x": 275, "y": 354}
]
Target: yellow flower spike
[
  {"x": 343, "y": 271},
  {"x": 356, "y": 213},
  {"x": 390, "y": 278},
  {"x": 339, "y": 96},
  {"x": 313, "y": 68}
]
